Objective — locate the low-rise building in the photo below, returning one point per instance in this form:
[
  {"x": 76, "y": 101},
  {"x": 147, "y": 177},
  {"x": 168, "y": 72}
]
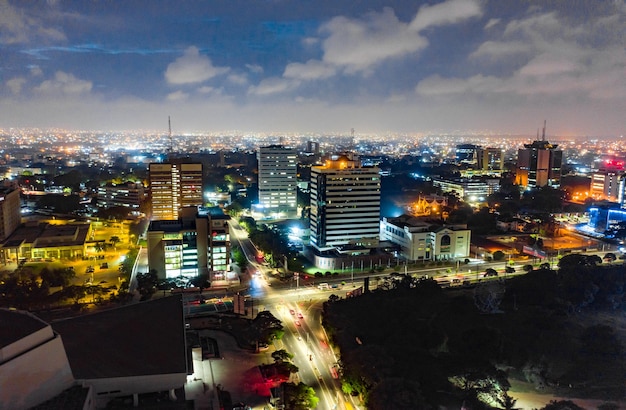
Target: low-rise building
[
  {"x": 130, "y": 195},
  {"x": 420, "y": 239},
  {"x": 34, "y": 241}
]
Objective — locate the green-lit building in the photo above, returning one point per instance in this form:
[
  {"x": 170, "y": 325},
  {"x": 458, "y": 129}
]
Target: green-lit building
[{"x": 197, "y": 243}]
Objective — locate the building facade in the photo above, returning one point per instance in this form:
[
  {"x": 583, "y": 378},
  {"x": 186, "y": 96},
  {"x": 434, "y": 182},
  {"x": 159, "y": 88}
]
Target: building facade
[
  {"x": 130, "y": 195},
  {"x": 469, "y": 189},
  {"x": 10, "y": 216},
  {"x": 345, "y": 204},
  {"x": 278, "y": 168},
  {"x": 420, "y": 240},
  {"x": 605, "y": 181},
  {"x": 539, "y": 165},
  {"x": 38, "y": 241},
  {"x": 197, "y": 243},
  {"x": 173, "y": 186},
  {"x": 490, "y": 160}
]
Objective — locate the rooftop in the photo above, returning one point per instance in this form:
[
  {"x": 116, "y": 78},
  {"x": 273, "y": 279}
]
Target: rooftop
[
  {"x": 140, "y": 339},
  {"x": 17, "y": 324}
]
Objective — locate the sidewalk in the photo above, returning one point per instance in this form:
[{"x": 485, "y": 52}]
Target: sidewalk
[{"x": 237, "y": 373}]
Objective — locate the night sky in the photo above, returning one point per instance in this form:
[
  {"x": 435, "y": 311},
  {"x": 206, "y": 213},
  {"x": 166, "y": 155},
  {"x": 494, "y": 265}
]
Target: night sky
[{"x": 315, "y": 65}]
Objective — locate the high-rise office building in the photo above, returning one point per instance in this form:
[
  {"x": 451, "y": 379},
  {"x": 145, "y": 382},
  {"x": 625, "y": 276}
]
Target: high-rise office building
[
  {"x": 538, "y": 165},
  {"x": 278, "y": 188},
  {"x": 345, "y": 204},
  {"x": 605, "y": 182},
  {"x": 490, "y": 159},
  {"x": 173, "y": 186},
  {"x": 466, "y": 153},
  {"x": 10, "y": 217}
]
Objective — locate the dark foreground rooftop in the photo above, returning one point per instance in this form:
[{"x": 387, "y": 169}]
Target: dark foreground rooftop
[{"x": 140, "y": 339}]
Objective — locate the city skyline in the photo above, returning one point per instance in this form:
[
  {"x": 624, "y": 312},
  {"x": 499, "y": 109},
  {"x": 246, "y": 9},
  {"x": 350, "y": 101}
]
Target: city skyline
[{"x": 441, "y": 66}]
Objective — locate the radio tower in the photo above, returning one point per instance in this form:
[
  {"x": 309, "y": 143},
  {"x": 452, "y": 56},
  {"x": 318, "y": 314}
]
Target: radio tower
[{"x": 169, "y": 126}]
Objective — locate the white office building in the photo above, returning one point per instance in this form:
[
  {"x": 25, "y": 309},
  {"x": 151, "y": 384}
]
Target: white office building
[
  {"x": 278, "y": 188},
  {"x": 345, "y": 205}
]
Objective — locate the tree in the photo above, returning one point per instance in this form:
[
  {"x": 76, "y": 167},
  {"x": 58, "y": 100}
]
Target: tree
[
  {"x": 398, "y": 394},
  {"x": 266, "y": 327},
  {"x": 239, "y": 258},
  {"x": 299, "y": 396},
  {"x": 562, "y": 405},
  {"x": 201, "y": 281},
  {"x": 114, "y": 241},
  {"x": 498, "y": 255},
  {"x": 610, "y": 257},
  {"x": 57, "y": 277},
  {"x": 147, "y": 284},
  {"x": 281, "y": 356},
  {"x": 74, "y": 292},
  {"x": 491, "y": 272}
]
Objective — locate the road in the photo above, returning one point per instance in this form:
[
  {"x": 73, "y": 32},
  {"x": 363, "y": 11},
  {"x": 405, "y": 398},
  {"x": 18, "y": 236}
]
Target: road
[{"x": 304, "y": 336}]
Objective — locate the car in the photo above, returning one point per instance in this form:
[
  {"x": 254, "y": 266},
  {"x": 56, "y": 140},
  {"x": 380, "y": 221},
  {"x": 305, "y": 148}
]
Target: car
[
  {"x": 90, "y": 269},
  {"x": 104, "y": 265},
  {"x": 300, "y": 316},
  {"x": 292, "y": 312}
]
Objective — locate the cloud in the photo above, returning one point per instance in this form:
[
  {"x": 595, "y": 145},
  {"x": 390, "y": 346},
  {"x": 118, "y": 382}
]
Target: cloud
[
  {"x": 205, "y": 89},
  {"x": 64, "y": 84},
  {"x": 21, "y": 26},
  {"x": 436, "y": 85},
  {"x": 548, "y": 58},
  {"x": 254, "y": 68},
  {"x": 500, "y": 49},
  {"x": 491, "y": 23},
  {"x": 311, "y": 70},
  {"x": 192, "y": 68},
  {"x": 448, "y": 12},
  {"x": 15, "y": 84},
  {"x": 358, "y": 44},
  {"x": 177, "y": 96},
  {"x": 272, "y": 85},
  {"x": 36, "y": 71},
  {"x": 239, "y": 79}
]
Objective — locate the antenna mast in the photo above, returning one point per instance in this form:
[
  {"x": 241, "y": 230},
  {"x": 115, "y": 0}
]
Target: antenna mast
[
  {"x": 169, "y": 126},
  {"x": 543, "y": 136}
]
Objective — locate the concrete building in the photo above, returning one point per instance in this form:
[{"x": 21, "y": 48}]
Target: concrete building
[
  {"x": 10, "y": 216},
  {"x": 538, "y": 165},
  {"x": 278, "y": 168},
  {"x": 34, "y": 241},
  {"x": 33, "y": 364},
  {"x": 345, "y": 205},
  {"x": 605, "y": 181},
  {"x": 466, "y": 153},
  {"x": 173, "y": 186},
  {"x": 468, "y": 189},
  {"x": 130, "y": 195},
  {"x": 490, "y": 160},
  {"x": 419, "y": 239},
  {"x": 130, "y": 352},
  {"x": 197, "y": 243}
]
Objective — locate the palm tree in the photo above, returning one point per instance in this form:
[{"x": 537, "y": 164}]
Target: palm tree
[{"x": 114, "y": 240}]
